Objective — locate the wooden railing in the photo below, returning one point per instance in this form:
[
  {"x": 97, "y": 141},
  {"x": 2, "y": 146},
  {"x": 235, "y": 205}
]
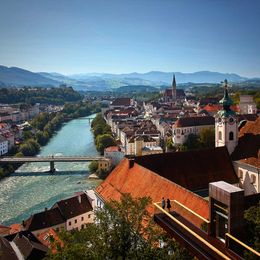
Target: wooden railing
[
  {"x": 228, "y": 236},
  {"x": 202, "y": 240}
]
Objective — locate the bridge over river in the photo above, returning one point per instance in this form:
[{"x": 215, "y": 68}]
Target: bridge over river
[{"x": 50, "y": 159}]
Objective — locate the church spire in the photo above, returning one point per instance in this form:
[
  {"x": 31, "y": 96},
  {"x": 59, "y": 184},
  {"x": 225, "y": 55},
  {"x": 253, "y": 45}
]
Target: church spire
[
  {"x": 173, "y": 88},
  {"x": 226, "y": 101}
]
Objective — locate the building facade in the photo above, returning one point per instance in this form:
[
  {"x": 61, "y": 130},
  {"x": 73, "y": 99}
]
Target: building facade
[
  {"x": 3, "y": 146},
  {"x": 226, "y": 123}
]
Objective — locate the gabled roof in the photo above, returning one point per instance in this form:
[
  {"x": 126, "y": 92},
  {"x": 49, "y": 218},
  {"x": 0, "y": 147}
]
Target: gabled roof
[
  {"x": 74, "y": 206},
  {"x": 217, "y": 107},
  {"x": 247, "y": 117},
  {"x": 248, "y": 141},
  {"x": 27, "y": 246},
  {"x": 44, "y": 219},
  {"x": 193, "y": 170},
  {"x": 194, "y": 121},
  {"x": 6, "y": 250},
  {"x": 140, "y": 182},
  {"x": 121, "y": 102}
]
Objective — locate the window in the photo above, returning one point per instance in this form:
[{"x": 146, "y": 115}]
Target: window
[
  {"x": 82, "y": 218},
  {"x": 231, "y": 136},
  {"x": 240, "y": 174},
  {"x": 76, "y": 221},
  {"x": 69, "y": 223},
  {"x": 82, "y": 226},
  {"x": 178, "y": 131},
  {"x": 219, "y": 135},
  {"x": 89, "y": 215},
  {"x": 253, "y": 178}
]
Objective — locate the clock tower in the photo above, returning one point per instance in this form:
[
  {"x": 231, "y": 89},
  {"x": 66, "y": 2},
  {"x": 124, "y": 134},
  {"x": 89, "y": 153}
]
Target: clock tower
[{"x": 226, "y": 125}]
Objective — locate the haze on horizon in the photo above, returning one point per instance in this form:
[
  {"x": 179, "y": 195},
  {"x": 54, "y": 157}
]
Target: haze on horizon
[{"x": 84, "y": 36}]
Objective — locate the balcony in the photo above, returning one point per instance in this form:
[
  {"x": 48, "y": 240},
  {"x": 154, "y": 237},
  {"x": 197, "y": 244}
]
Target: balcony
[{"x": 192, "y": 232}]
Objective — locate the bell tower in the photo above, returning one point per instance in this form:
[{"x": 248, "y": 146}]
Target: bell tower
[
  {"x": 174, "y": 95},
  {"x": 226, "y": 125}
]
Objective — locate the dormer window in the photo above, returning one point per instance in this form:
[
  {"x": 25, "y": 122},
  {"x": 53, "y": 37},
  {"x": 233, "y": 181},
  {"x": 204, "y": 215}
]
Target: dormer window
[
  {"x": 240, "y": 174},
  {"x": 253, "y": 178}
]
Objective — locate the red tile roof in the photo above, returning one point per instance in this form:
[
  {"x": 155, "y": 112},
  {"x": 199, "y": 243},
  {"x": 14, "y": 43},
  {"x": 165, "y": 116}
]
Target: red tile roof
[
  {"x": 121, "y": 102},
  {"x": 140, "y": 182},
  {"x": 249, "y": 141},
  {"x": 217, "y": 107},
  {"x": 252, "y": 161},
  {"x": 45, "y": 239},
  {"x": 194, "y": 121},
  {"x": 4, "y": 230}
]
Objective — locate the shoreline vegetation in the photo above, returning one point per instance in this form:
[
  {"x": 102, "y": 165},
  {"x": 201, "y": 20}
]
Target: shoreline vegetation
[
  {"x": 42, "y": 128},
  {"x": 103, "y": 138}
]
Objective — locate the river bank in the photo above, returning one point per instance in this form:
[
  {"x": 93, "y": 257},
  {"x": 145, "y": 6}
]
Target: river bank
[
  {"x": 30, "y": 188},
  {"x": 43, "y": 127}
]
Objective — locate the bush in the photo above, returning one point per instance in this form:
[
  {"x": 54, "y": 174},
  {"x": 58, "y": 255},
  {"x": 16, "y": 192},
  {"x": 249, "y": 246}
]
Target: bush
[
  {"x": 93, "y": 166},
  {"x": 29, "y": 148},
  {"x": 104, "y": 141}
]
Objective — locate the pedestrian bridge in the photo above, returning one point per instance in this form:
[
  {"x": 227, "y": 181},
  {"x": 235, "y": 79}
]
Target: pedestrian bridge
[{"x": 50, "y": 159}]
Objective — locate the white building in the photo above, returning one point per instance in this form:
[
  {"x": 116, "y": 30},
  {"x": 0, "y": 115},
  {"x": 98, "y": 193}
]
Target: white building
[
  {"x": 248, "y": 173},
  {"x": 247, "y": 105},
  {"x": 226, "y": 124},
  {"x": 72, "y": 213},
  {"x": 135, "y": 145},
  {"x": 190, "y": 125},
  {"x": 114, "y": 154},
  {"x": 3, "y": 146}
]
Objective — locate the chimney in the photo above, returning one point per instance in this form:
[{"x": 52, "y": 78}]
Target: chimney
[
  {"x": 131, "y": 163},
  {"x": 79, "y": 198},
  {"x": 23, "y": 223}
]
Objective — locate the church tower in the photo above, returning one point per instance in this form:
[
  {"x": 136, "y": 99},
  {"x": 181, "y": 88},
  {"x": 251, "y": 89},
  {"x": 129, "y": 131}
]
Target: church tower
[
  {"x": 226, "y": 125},
  {"x": 174, "y": 94}
]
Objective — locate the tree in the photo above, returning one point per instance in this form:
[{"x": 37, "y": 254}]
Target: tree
[
  {"x": 29, "y": 148},
  {"x": 252, "y": 220},
  {"x": 123, "y": 230},
  {"x": 192, "y": 142},
  {"x": 93, "y": 166},
  {"x": 104, "y": 141},
  {"x": 207, "y": 138},
  {"x": 169, "y": 145}
]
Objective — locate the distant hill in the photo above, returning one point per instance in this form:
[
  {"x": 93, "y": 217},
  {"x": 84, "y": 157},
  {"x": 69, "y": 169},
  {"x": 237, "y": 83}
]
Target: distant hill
[
  {"x": 162, "y": 78},
  {"x": 105, "y": 82},
  {"x": 19, "y": 77},
  {"x": 136, "y": 89}
]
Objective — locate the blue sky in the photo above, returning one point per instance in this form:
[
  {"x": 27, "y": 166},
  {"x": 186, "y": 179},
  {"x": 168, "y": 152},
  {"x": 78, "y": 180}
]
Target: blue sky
[{"x": 120, "y": 36}]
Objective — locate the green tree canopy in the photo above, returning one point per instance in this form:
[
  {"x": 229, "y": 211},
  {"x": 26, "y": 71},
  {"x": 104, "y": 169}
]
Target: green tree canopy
[
  {"x": 93, "y": 166},
  {"x": 104, "y": 141},
  {"x": 192, "y": 142},
  {"x": 252, "y": 219},
  {"x": 123, "y": 230},
  {"x": 207, "y": 138}
]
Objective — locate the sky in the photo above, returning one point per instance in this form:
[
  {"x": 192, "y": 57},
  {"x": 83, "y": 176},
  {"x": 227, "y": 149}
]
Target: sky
[{"x": 122, "y": 36}]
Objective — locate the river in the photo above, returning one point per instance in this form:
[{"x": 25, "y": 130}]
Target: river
[{"x": 30, "y": 189}]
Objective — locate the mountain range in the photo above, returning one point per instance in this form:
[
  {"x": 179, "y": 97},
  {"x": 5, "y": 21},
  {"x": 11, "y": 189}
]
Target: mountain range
[{"x": 14, "y": 76}]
